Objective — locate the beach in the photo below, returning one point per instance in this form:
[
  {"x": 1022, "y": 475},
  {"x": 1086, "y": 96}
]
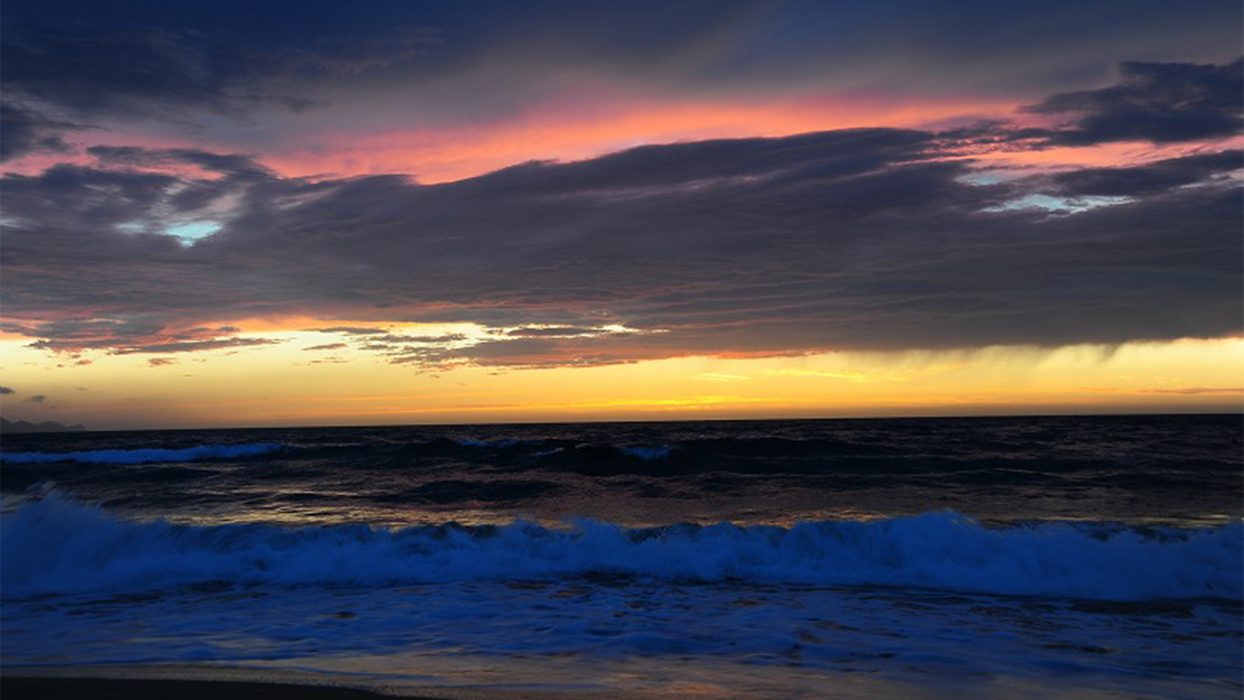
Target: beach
[
  {"x": 110, "y": 689},
  {"x": 192, "y": 682}
]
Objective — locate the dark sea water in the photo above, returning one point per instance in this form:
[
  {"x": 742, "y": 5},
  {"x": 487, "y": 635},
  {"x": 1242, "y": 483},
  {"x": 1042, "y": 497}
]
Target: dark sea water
[{"x": 1001, "y": 557}]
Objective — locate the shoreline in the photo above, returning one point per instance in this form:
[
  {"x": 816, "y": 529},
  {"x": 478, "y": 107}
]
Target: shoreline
[
  {"x": 74, "y": 687},
  {"x": 195, "y": 682}
]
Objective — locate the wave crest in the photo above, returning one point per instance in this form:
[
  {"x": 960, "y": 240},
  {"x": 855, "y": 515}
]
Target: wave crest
[
  {"x": 59, "y": 546},
  {"x": 144, "y": 456}
]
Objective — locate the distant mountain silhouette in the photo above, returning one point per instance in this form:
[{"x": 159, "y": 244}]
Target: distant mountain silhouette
[{"x": 47, "y": 426}]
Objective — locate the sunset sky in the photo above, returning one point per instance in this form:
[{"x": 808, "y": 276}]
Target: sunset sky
[{"x": 260, "y": 214}]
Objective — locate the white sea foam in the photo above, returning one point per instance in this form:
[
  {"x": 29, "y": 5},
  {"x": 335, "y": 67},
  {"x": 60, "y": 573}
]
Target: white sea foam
[
  {"x": 143, "y": 456},
  {"x": 59, "y": 546}
]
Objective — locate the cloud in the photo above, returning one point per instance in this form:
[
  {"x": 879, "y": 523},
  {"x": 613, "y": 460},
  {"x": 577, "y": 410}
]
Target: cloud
[
  {"x": 399, "y": 338},
  {"x": 161, "y": 361},
  {"x": 552, "y": 331},
  {"x": 1191, "y": 391},
  {"x": 859, "y": 239},
  {"x": 348, "y": 330},
  {"x": 238, "y": 75},
  {"x": 1158, "y": 102},
  {"x": 37, "y": 398},
  {"x": 328, "y": 346},
  {"x": 107, "y": 69},
  {"x": 138, "y": 333},
  {"x": 6, "y": 390},
  {"x": 24, "y": 131},
  {"x": 68, "y": 195},
  {"x": 226, "y": 163},
  {"x": 1150, "y": 178},
  {"x": 196, "y": 346}
]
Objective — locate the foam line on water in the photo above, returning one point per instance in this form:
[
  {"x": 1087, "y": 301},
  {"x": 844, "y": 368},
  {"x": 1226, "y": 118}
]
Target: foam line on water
[
  {"x": 144, "y": 456},
  {"x": 59, "y": 546}
]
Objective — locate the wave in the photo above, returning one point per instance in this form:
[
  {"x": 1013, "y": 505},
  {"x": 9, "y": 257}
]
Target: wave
[
  {"x": 497, "y": 444},
  {"x": 57, "y": 546},
  {"x": 846, "y": 463},
  {"x": 643, "y": 452},
  {"x": 648, "y": 454},
  {"x": 143, "y": 456}
]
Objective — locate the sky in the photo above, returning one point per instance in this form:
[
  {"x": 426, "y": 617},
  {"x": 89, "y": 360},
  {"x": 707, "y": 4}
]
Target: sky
[{"x": 323, "y": 213}]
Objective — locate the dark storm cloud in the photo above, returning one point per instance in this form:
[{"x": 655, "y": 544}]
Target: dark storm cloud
[
  {"x": 1158, "y": 102},
  {"x": 397, "y": 338},
  {"x": 513, "y": 351},
  {"x": 196, "y": 345},
  {"x": 70, "y": 196},
  {"x": 187, "y": 63},
  {"x": 233, "y": 164},
  {"x": 129, "y": 73},
  {"x": 856, "y": 239},
  {"x": 24, "y": 131},
  {"x": 85, "y": 332},
  {"x": 134, "y": 333},
  {"x": 175, "y": 72},
  {"x": 1148, "y": 178},
  {"x": 807, "y": 157}
]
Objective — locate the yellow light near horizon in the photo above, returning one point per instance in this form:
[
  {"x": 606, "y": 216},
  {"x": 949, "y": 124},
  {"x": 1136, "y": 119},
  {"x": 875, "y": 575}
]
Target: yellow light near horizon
[{"x": 282, "y": 384}]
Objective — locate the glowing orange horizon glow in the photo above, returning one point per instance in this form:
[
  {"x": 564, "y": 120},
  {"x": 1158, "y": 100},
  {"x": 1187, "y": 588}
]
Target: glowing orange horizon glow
[{"x": 275, "y": 385}]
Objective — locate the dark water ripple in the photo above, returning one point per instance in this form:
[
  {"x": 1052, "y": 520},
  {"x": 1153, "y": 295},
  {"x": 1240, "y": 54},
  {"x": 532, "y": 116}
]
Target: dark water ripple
[{"x": 1125, "y": 468}]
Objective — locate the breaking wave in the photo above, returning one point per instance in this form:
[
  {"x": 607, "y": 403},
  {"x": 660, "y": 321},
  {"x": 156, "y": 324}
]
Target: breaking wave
[
  {"x": 143, "y": 456},
  {"x": 60, "y": 546}
]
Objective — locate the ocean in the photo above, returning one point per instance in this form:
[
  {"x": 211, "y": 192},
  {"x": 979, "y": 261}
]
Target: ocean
[{"x": 1016, "y": 557}]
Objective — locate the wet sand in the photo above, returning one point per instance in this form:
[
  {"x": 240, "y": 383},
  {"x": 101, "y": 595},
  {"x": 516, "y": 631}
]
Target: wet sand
[
  {"x": 65, "y": 688},
  {"x": 207, "y": 682},
  {"x": 22, "y": 688}
]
